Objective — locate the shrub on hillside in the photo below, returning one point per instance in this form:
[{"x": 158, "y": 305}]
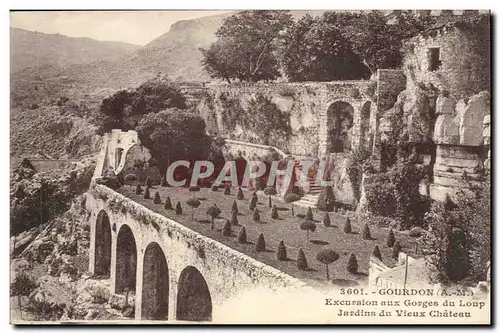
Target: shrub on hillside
[
  {"x": 327, "y": 256},
  {"x": 146, "y": 193},
  {"x": 366, "y": 234},
  {"x": 226, "y": 230},
  {"x": 256, "y": 216},
  {"x": 390, "y": 239},
  {"x": 149, "y": 183},
  {"x": 234, "y": 218},
  {"x": 309, "y": 214},
  {"x": 326, "y": 220},
  {"x": 260, "y": 246},
  {"x": 301, "y": 260},
  {"x": 253, "y": 204},
  {"x": 240, "y": 195},
  {"x": 308, "y": 226},
  {"x": 227, "y": 190},
  {"x": 352, "y": 264},
  {"x": 281, "y": 252},
  {"x": 234, "y": 207},
  {"x": 274, "y": 212},
  {"x": 396, "y": 249},
  {"x": 416, "y": 232},
  {"x": 376, "y": 253},
  {"x": 138, "y": 190}
]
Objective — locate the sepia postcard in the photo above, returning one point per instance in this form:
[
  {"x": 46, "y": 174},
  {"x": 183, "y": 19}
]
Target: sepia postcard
[{"x": 250, "y": 167}]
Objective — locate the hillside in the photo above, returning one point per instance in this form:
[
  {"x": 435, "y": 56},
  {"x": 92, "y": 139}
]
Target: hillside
[{"x": 29, "y": 49}]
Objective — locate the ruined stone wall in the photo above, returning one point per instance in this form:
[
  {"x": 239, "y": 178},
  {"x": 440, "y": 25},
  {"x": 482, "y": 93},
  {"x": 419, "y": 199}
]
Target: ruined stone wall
[
  {"x": 226, "y": 110},
  {"x": 227, "y": 272}
]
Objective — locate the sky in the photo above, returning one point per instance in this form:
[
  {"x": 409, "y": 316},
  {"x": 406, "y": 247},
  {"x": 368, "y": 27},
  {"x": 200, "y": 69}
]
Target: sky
[{"x": 131, "y": 27}]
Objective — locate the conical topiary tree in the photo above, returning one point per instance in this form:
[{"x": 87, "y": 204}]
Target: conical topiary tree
[
  {"x": 326, "y": 199},
  {"x": 326, "y": 220},
  {"x": 301, "y": 260},
  {"x": 234, "y": 218},
  {"x": 253, "y": 204},
  {"x": 281, "y": 252},
  {"x": 256, "y": 216},
  {"x": 308, "y": 226},
  {"x": 390, "y": 239},
  {"x": 194, "y": 203},
  {"x": 168, "y": 204},
  {"x": 240, "y": 194},
  {"x": 396, "y": 249},
  {"x": 260, "y": 246},
  {"x": 352, "y": 264},
  {"x": 178, "y": 208},
  {"x": 149, "y": 183},
  {"x": 146, "y": 193},
  {"x": 157, "y": 199},
  {"x": 309, "y": 214},
  {"x": 227, "y": 190},
  {"x": 269, "y": 191},
  {"x": 234, "y": 207},
  {"x": 327, "y": 256},
  {"x": 347, "y": 225},
  {"x": 365, "y": 233},
  {"x": 376, "y": 253},
  {"x": 138, "y": 190},
  {"x": 274, "y": 212},
  {"x": 242, "y": 236},
  {"x": 226, "y": 230}
]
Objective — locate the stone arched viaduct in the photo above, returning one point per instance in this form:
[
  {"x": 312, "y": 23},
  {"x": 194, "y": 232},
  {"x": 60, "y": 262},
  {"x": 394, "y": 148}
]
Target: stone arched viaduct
[{"x": 176, "y": 273}]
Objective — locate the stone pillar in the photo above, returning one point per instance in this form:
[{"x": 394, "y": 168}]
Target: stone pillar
[
  {"x": 112, "y": 274},
  {"x": 138, "y": 282},
  {"x": 93, "y": 221}
]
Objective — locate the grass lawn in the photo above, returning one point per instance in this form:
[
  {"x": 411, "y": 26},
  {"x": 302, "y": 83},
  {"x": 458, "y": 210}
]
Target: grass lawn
[{"x": 286, "y": 228}]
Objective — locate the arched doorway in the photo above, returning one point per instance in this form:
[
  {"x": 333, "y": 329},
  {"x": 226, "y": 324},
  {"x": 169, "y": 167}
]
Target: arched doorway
[
  {"x": 155, "y": 284},
  {"x": 340, "y": 117},
  {"x": 193, "y": 297},
  {"x": 102, "y": 259},
  {"x": 365, "y": 138},
  {"x": 126, "y": 260}
]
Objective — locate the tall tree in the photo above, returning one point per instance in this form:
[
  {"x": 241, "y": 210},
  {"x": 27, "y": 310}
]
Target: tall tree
[{"x": 246, "y": 45}]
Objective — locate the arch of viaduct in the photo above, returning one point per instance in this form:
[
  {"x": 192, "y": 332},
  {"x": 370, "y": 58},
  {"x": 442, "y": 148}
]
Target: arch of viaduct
[{"x": 175, "y": 273}]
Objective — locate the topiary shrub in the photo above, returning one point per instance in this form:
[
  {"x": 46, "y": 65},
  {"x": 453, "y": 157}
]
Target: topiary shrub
[
  {"x": 213, "y": 212},
  {"x": 168, "y": 204},
  {"x": 269, "y": 191},
  {"x": 292, "y": 197},
  {"x": 227, "y": 190},
  {"x": 326, "y": 220},
  {"x": 327, "y": 256},
  {"x": 309, "y": 214},
  {"x": 376, "y": 253},
  {"x": 149, "y": 183},
  {"x": 194, "y": 203},
  {"x": 242, "y": 236},
  {"x": 308, "y": 226},
  {"x": 256, "y": 216},
  {"x": 396, "y": 249},
  {"x": 301, "y": 260},
  {"x": 260, "y": 246},
  {"x": 274, "y": 212},
  {"x": 390, "y": 239},
  {"x": 146, "y": 193},
  {"x": 138, "y": 190},
  {"x": 347, "y": 225},
  {"x": 234, "y": 207},
  {"x": 226, "y": 230},
  {"x": 234, "y": 218},
  {"x": 178, "y": 208},
  {"x": 240, "y": 196},
  {"x": 352, "y": 264},
  {"x": 326, "y": 199},
  {"x": 253, "y": 204},
  {"x": 365, "y": 233},
  {"x": 215, "y": 188},
  {"x": 157, "y": 199},
  {"x": 194, "y": 190},
  {"x": 281, "y": 252}
]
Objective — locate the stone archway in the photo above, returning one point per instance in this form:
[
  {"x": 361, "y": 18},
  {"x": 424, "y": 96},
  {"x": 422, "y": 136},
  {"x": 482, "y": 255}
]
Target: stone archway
[
  {"x": 340, "y": 120},
  {"x": 365, "y": 137},
  {"x": 155, "y": 284},
  {"x": 126, "y": 260},
  {"x": 102, "y": 259},
  {"x": 194, "y": 302}
]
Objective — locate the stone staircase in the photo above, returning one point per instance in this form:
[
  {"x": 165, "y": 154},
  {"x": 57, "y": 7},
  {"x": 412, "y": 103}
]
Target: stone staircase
[{"x": 310, "y": 199}]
